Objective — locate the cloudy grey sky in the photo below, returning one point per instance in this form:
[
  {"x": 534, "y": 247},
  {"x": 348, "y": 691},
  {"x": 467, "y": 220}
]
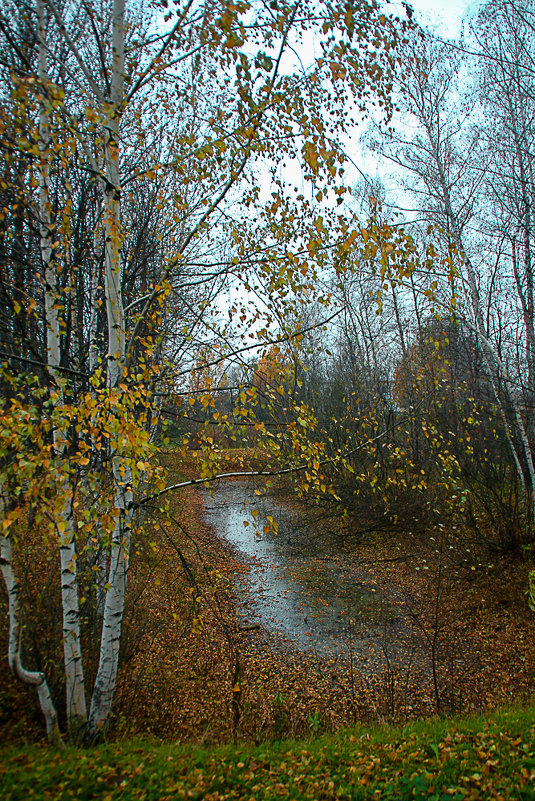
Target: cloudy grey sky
[{"x": 446, "y": 15}]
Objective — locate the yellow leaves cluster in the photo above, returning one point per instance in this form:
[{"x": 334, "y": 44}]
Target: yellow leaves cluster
[{"x": 47, "y": 444}]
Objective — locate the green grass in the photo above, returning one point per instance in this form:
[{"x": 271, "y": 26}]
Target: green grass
[{"x": 478, "y": 757}]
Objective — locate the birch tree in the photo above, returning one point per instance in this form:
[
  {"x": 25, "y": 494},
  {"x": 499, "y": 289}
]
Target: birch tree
[{"x": 74, "y": 673}]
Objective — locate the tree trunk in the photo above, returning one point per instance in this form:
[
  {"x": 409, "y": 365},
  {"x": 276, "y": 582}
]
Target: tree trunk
[
  {"x": 34, "y": 678},
  {"x": 120, "y": 546},
  {"x": 74, "y": 673}
]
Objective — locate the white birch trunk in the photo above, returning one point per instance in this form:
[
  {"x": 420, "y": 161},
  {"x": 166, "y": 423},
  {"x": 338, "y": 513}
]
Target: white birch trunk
[
  {"x": 74, "y": 674},
  {"x": 492, "y": 358},
  {"x": 120, "y": 546},
  {"x": 490, "y": 353},
  {"x": 34, "y": 678}
]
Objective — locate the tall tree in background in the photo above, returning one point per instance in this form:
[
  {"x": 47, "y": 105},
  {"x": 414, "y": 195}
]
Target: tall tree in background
[{"x": 470, "y": 169}]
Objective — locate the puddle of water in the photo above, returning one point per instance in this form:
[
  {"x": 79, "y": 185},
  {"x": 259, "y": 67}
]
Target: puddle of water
[{"x": 299, "y": 585}]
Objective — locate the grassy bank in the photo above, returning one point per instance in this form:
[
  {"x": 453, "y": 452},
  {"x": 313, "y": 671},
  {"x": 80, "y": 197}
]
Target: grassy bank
[{"x": 490, "y": 757}]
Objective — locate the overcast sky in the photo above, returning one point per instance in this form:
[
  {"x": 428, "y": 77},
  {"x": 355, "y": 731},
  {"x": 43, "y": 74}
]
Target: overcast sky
[{"x": 446, "y": 15}]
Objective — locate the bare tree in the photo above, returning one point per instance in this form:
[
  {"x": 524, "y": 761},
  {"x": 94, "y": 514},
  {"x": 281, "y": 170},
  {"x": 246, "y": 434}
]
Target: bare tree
[{"x": 454, "y": 182}]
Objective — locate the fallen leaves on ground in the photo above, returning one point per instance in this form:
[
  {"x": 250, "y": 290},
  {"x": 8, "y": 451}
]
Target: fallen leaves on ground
[{"x": 478, "y": 758}]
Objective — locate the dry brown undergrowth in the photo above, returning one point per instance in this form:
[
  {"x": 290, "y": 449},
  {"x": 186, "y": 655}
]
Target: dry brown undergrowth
[{"x": 190, "y": 673}]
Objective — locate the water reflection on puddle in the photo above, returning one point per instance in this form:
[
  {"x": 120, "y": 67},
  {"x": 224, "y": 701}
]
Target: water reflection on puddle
[{"x": 299, "y": 585}]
